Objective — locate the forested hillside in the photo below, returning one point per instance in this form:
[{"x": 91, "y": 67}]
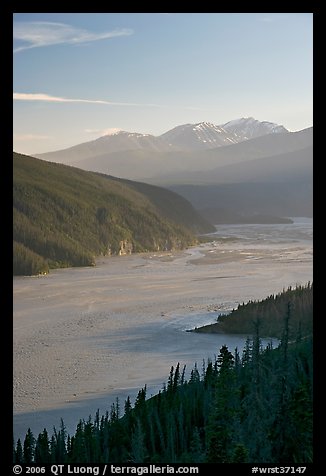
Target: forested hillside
[
  {"x": 171, "y": 205},
  {"x": 254, "y": 408},
  {"x": 296, "y": 302},
  {"x": 64, "y": 216}
]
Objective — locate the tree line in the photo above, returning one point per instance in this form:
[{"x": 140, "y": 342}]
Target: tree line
[
  {"x": 255, "y": 407},
  {"x": 270, "y": 312}
]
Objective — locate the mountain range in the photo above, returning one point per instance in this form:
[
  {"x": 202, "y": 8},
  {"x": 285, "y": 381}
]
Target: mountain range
[
  {"x": 244, "y": 166},
  {"x": 184, "y": 138}
]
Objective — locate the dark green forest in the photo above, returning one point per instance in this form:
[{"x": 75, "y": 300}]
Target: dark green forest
[
  {"x": 64, "y": 216},
  {"x": 255, "y": 408},
  {"x": 270, "y": 313}
]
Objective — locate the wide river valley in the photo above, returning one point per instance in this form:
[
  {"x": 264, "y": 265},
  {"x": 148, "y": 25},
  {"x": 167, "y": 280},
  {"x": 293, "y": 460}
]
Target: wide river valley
[{"x": 84, "y": 337}]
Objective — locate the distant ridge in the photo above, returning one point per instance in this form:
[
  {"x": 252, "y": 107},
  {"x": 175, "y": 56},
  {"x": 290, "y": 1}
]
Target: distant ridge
[
  {"x": 186, "y": 137},
  {"x": 120, "y": 141},
  {"x": 249, "y": 128},
  {"x": 201, "y": 136},
  {"x": 242, "y": 167}
]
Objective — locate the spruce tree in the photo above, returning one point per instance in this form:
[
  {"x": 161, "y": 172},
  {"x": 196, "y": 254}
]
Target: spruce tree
[
  {"x": 138, "y": 447},
  {"x": 197, "y": 454},
  {"x": 223, "y": 415},
  {"x": 19, "y": 457},
  {"x": 281, "y": 425},
  {"x": 42, "y": 448},
  {"x": 29, "y": 447}
]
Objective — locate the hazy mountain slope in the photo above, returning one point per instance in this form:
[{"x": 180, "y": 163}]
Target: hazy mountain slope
[
  {"x": 297, "y": 165},
  {"x": 107, "y": 144},
  {"x": 279, "y": 185},
  {"x": 125, "y": 152},
  {"x": 131, "y": 164},
  {"x": 206, "y": 167},
  {"x": 64, "y": 216},
  {"x": 269, "y": 174},
  {"x": 176, "y": 166},
  {"x": 264, "y": 146},
  {"x": 291, "y": 166},
  {"x": 172, "y": 206},
  {"x": 283, "y": 199}
]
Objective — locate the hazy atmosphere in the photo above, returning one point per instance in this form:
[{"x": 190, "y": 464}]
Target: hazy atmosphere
[
  {"x": 162, "y": 239},
  {"x": 81, "y": 75}
]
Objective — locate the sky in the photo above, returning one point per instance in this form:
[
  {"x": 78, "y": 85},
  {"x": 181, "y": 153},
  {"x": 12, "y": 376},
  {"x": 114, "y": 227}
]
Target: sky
[{"x": 79, "y": 76}]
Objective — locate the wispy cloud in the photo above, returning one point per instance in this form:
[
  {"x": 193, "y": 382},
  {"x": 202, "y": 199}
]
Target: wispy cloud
[
  {"x": 57, "y": 99},
  {"x": 38, "y": 34},
  {"x": 48, "y": 98}
]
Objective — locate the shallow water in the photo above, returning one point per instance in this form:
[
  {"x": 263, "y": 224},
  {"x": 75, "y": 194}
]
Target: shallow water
[{"x": 84, "y": 336}]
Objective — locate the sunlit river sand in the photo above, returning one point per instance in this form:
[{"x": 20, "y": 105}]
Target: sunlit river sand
[{"x": 84, "y": 336}]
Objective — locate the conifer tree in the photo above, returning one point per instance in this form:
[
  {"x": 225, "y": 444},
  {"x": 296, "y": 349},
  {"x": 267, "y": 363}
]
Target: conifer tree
[
  {"x": 78, "y": 444},
  {"x": 255, "y": 403},
  {"x": 281, "y": 424},
  {"x": 138, "y": 447},
  {"x": 127, "y": 408},
  {"x": 42, "y": 448},
  {"x": 176, "y": 380},
  {"x": 141, "y": 398},
  {"x": 240, "y": 454},
  {"x": 257, "y": 409},
  {"x": 197, "y": 454},
  {"x": 19, "y": 458},
  {"x": 60, "y": 446},
  {"x": 29, "y": 447},
  {"x": 222, "y": 419}
]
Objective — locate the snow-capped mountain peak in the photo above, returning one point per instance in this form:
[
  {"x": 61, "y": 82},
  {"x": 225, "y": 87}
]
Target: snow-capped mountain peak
[
  {"x": 185, "y": 137},
  {"x": 113, "y": 131},
  {"x": 206, "y": 135},
  {"x": 203, "y": 135},
  {"x": 248, "y": 127}
]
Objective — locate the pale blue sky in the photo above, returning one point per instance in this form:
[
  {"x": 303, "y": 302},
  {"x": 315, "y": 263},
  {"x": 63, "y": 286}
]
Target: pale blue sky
[{"x": 77, "y": 75}]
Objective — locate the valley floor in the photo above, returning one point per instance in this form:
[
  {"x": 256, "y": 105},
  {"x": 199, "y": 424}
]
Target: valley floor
[{"x": 85, "y": 335}]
